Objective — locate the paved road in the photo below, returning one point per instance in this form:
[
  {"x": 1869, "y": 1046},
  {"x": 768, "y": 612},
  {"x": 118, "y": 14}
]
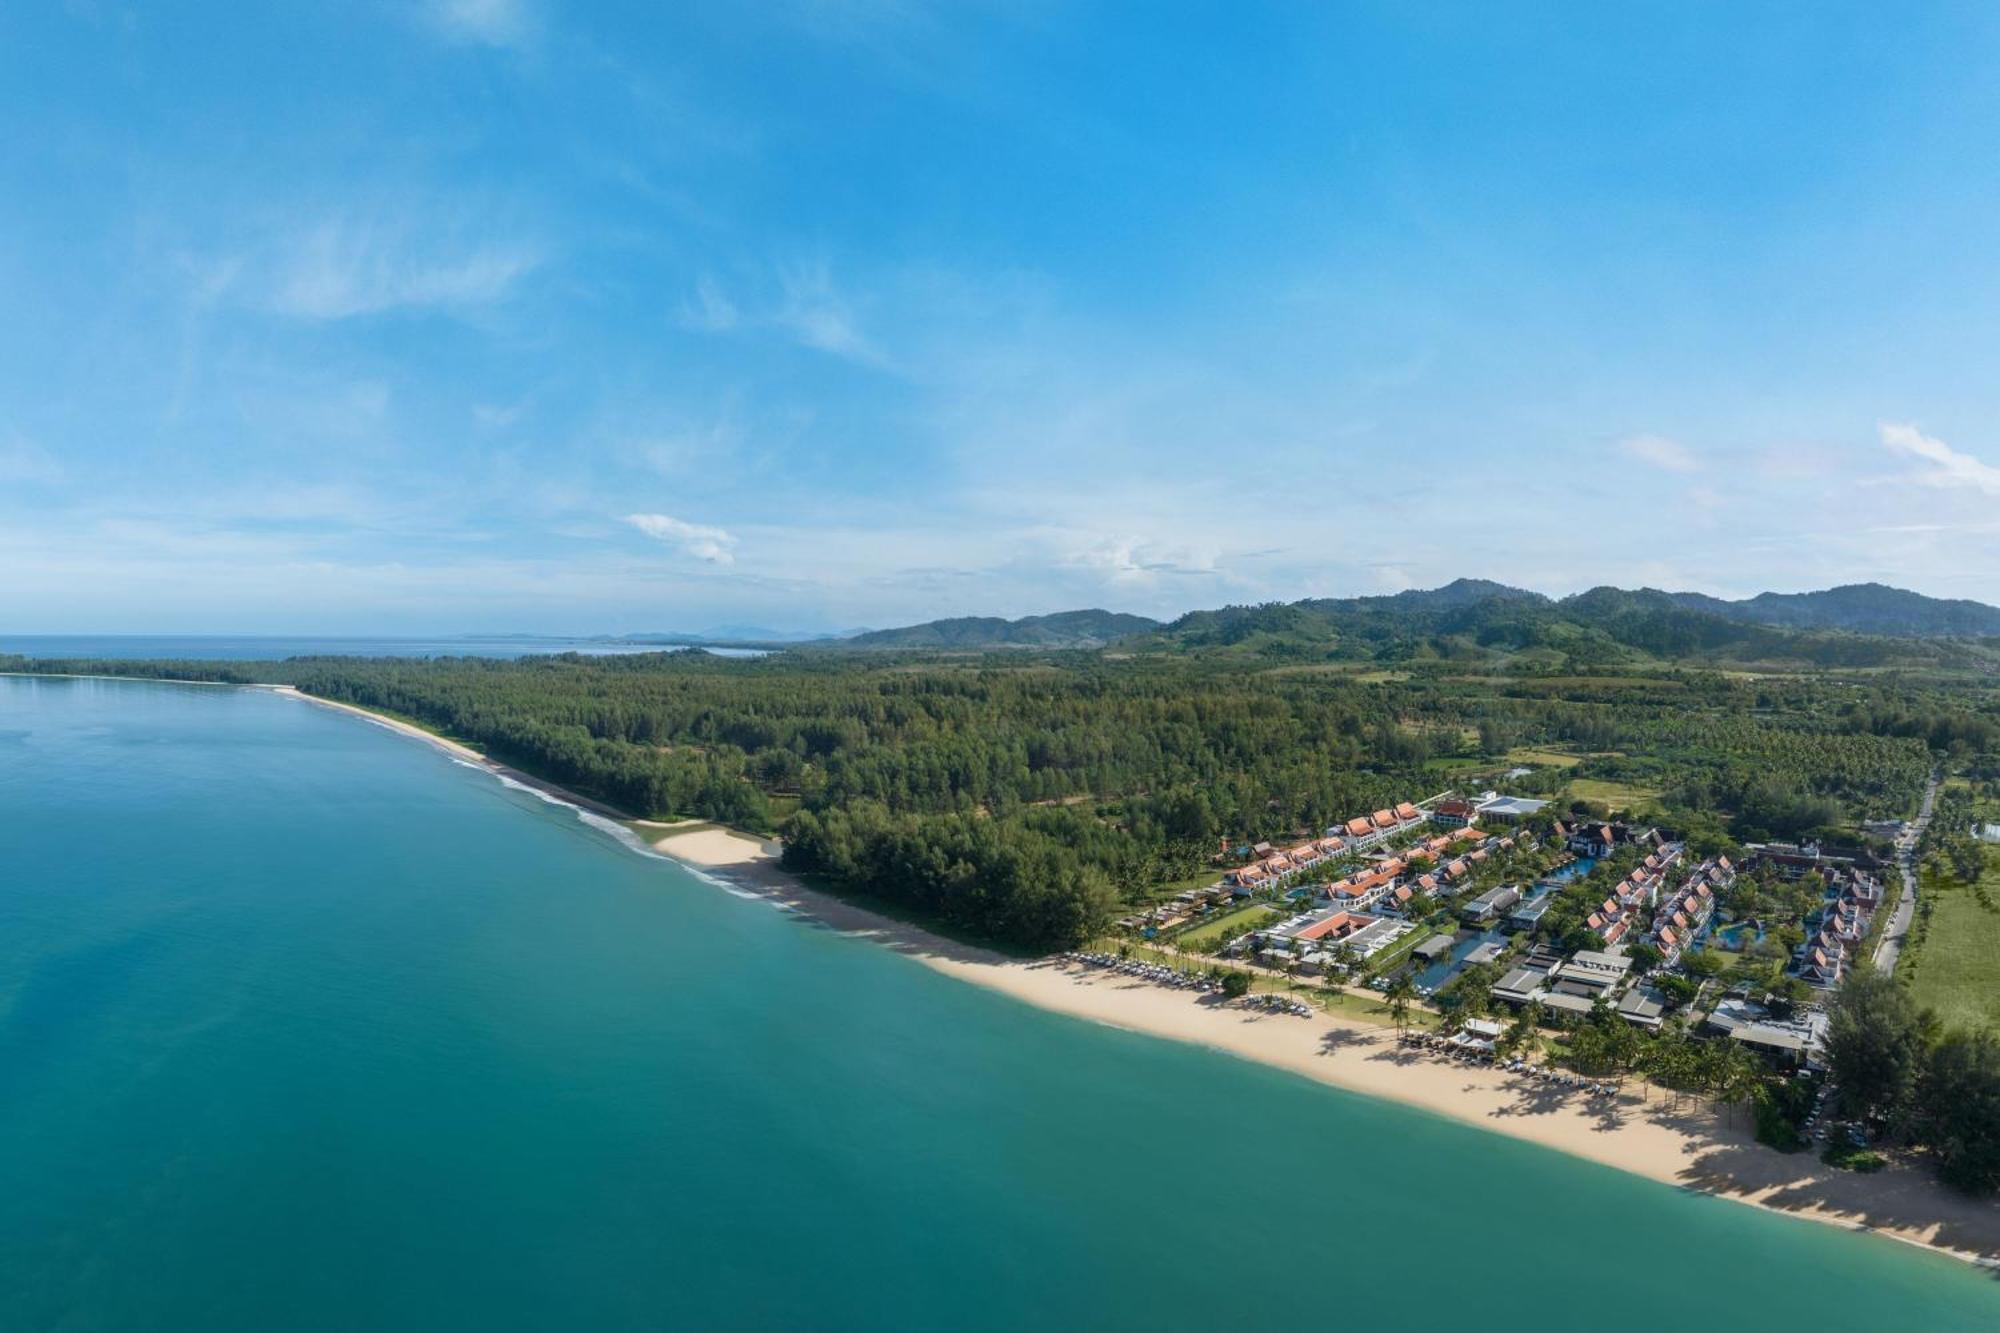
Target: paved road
[{"x": 1891, "y": 947}]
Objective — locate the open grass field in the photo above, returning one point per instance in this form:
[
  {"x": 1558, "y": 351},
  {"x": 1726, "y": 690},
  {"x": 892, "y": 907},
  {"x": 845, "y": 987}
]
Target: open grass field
[
  {"x": 1211, "y": 933},
  {"x": 1616, "y": 795},
  {"x": 1542, "y": 758},
  {"x": 1957, "y": 971},
  {"x": 1557, "y": 684}
]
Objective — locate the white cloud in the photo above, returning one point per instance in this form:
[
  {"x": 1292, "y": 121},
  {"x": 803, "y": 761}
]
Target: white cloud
[
  {"x": 23, "y": 462},
  {"x": 709, "y": 544},
  {"x": 807, "y": 307},
  {"x": 1129, "y": 559},
  {"x": 1949, "y": 469},
  {"x": 497, "y": 416},
  {"x": 485, "y": 22},
  {"x": 1660, "y": 452},
  {"x": 816, "y": 314},
  {"x": 711, "y": 310},
  {"x": 344, "y": 267}
]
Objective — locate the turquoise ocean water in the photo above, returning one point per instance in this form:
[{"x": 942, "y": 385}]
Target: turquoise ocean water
[{"x": 304, "y": 1026}]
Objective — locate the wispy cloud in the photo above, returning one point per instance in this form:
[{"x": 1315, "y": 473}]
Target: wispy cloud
[
  {"x": 1660, "y": 452},
  {"x": 816, "y": 314},
  {"x": 483, "y": 22},
  {"x": 711, "y": 545},
  {"x": 710, "y": 309},
  {"x": 345, "y": 267},
  {"x": 1946, "y": 468},
  {"x": 24, "y": 462},
  {"x": 807, "y": 307}
]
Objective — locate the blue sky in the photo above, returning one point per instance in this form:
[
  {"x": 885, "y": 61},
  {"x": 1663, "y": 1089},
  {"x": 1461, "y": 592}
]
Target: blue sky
[{"x": 492, "y": 315}]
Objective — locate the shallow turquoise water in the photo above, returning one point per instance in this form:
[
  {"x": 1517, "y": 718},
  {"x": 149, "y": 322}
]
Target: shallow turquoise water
[{"x": 303, "y": 1026}]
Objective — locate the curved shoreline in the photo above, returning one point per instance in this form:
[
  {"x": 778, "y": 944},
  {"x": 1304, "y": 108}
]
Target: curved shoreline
[{"x": 1682, "y": 1142}]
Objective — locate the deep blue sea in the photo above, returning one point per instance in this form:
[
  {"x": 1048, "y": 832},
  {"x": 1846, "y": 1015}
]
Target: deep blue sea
[{"x": 305, "y": 1026}]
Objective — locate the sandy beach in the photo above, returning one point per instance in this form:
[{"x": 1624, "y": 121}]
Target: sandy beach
[
  {"x": 455, "y": 749},
  {"x": 1676, "y": 1141}
]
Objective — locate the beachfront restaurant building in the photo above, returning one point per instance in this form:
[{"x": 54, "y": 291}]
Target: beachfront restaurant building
[
  {"x": 1787, "y": 1042},
  {"x": 1586, "y": 977},
  {"x": 1642, "y": 1006},
  {"x": 1522, "y": 985}
]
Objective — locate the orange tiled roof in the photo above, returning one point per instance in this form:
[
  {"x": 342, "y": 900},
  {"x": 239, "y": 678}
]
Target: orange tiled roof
[{"x": 1320, "y": 929}]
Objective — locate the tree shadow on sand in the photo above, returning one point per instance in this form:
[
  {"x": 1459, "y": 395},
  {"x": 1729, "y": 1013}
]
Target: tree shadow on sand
[{"x": 1904, "y": 1198}]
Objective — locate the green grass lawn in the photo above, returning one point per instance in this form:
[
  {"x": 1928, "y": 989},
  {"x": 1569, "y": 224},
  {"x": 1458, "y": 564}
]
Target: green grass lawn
[
  {"x": 1211, "y": 933},
  {"x": 1542, "y": 758},
  {"x": 1398, "y": 951},
  {"x": 1615, "y": 795},
  {"x": 1957, "y": 971}
]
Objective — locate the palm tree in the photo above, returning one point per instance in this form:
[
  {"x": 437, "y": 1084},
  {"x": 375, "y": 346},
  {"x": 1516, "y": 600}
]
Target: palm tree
[{"x": 1401, "y": 991}]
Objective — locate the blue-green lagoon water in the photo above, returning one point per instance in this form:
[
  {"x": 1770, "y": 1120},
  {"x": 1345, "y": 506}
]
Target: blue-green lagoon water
[{"x": 304, "y": 1026}]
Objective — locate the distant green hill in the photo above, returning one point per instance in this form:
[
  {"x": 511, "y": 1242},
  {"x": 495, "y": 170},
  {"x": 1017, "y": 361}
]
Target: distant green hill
[
  {"x": 1064, "y": 629},
  {"x": 1866, "y": 608},
  {"x": 1479, "y": 619}
]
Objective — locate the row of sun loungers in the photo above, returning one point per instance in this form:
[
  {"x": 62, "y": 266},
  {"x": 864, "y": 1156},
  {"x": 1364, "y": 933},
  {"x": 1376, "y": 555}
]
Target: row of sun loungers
[
  {"x": 1161, "y": 975},
  {"x": 1442, "y": 1046}
]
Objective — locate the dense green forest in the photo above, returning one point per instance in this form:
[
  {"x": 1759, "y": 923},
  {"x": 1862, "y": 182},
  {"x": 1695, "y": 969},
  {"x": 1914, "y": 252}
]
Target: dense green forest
[{"x": 1026, "y": 796}]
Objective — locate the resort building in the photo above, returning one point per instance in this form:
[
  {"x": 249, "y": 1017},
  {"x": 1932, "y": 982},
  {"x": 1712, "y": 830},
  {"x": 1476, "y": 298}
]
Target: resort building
[
  {"x": 1571, "y": 986},
  {"x": 1521, "y": 985},
  {"x": 1454, "y": 812},
  {"x": 1575, "y": 986},
  {"x": 1488, "y": 952},
  {"x": 1330, "y": 932},
  {"x": 1489, "y": 906},
  {"x": 1507, "y": 809},
  {"x": 1643, "y": 1006},
  {"x": 1689, "y": 908},
  {"x": 1364, "y": 831},
  {"x": 1851, "y": 899},
  {"x": 1787, "y": 1042},
  {"x": 1433, "y": 949}
]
